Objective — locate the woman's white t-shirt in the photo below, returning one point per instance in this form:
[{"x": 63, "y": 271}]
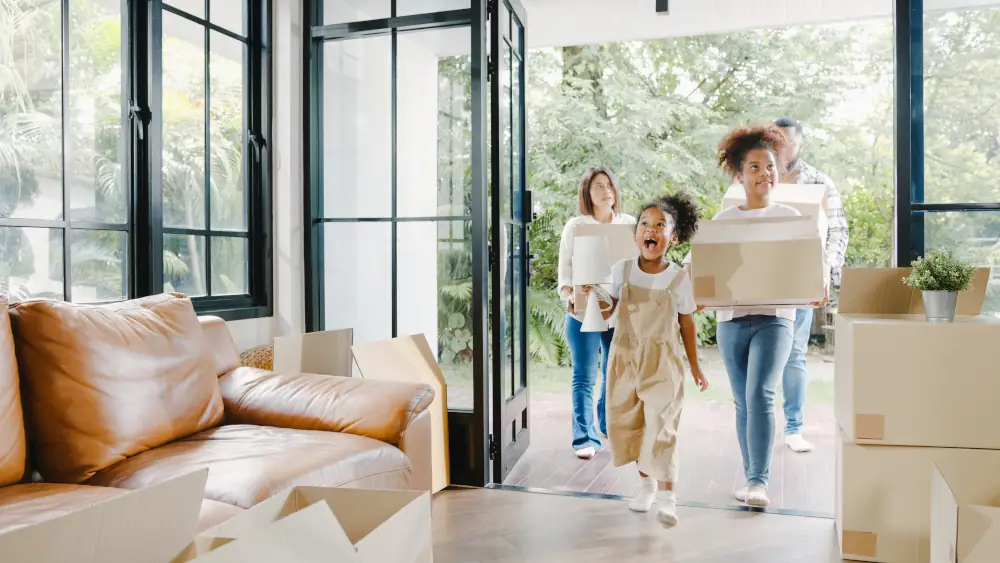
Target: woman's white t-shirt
[
  {"x": 683, "y": 292},
  {"x": 565, "y": 270},
  {"x": 773, "y": 210}
]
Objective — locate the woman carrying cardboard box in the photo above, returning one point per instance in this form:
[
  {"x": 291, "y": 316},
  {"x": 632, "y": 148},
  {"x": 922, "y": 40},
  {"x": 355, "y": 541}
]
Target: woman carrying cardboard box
[
  {"x": 755, "y": 343},
  {"x": 598, "y": 201}
]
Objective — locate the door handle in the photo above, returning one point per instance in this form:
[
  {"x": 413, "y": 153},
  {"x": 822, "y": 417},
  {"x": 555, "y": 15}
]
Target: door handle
[{"x": 138, "y": 116}]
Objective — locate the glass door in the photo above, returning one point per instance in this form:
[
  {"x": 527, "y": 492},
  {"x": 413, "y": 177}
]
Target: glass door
[{"x": 510, "y": 214}]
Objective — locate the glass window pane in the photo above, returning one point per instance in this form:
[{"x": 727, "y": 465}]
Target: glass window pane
[
  {"x": 184, "y": 264},
  {"x": 358, "y": 272},
  {"x": 31, "y": 110},
  {"x": 194, "y": 7},
  {"x": 230, "y": 266},
  {"x": 95, "y": 132},
  {"x": 435, "y": 297},
  {"x": 228, "y": 190},
  {"x": 31, "y": 263},
  {"x": 228, "y": 14},
  {"x": 413, "y": 7},
  {"x": 971, "y": 236},
  {"x": 357, "y": 127},
  {"x": 183, "y": 123},
  {"x": 100, "y": 266},
  {"x": 343, "y": 11},
  {"x": 434, "y": 126},
  {"x": 961, "y": 116},
  {"x": 515, "y": 134}
]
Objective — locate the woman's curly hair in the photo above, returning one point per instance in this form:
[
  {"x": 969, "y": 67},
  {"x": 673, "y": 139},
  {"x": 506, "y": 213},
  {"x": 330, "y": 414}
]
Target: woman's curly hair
[
  {"x": 682, "y": 207},
  {"x": 734, "y": 147}
]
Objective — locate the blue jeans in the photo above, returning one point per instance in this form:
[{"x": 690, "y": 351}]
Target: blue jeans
[
  {"x": 795, "y": 380},
  {"x": 584, "y": 349},
  {"x": 754, "y": 349}
]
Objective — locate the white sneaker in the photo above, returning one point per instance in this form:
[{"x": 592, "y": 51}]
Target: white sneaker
[
  {"x": 645, "y": 496},
  {"x": 586, "y": 453},
  {"x": 742, "y": 494},
  {"x": 666, "y": 509},
  {"x": 757, "y": 496},
  {"x": 797, "y": 443}
]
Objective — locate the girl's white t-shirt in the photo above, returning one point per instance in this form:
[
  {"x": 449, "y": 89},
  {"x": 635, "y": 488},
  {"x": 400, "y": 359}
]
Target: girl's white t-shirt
[
  {"x": 683, "y": 292},
  {"x": 773, "y": 210}
]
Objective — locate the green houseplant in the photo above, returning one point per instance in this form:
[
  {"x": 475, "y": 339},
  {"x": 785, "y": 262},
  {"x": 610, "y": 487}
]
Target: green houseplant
[{"x": 940, "y": 277}]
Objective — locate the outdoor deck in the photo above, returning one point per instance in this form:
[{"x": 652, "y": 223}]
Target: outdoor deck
[{"x": 710, "y": 464}]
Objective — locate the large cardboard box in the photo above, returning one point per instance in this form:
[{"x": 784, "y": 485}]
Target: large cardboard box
[
  {"x": 326, "y": 353},
  {"x": 323, "y": 525},
  {"x": 809, "y": 199},
  {"x": 410, "y": 359},
  {"x": 883, "y": 496},
  {"x": 962, "y": 533},
  {"x": 621, "y": 239},
  {"x": 150, "y": 525},
  {"x": 758, "y": 262},
  {"x": 900, "y": 380}
]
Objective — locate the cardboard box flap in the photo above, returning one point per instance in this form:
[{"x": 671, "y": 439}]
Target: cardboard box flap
[
  {"x": 327, "y": 352},
  {"x": 770, "y": 229},
  {"x": 978, "y": 534},
  {"x": 150, "y": 525},
  {"x": 309, "y": 535},
  {"x": 881, "y": 291},
  {"x": 944, "y": 516},
  {"x": 621, "y": 239}
]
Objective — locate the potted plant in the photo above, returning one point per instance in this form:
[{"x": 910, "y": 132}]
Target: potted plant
[{"x": 940, "y": 277}]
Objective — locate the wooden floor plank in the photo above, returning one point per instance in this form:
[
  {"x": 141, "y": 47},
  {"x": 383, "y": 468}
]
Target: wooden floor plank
[{"x": 488, "y": 526}]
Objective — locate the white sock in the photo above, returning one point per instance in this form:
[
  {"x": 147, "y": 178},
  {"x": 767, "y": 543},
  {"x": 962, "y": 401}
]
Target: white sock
[
  {"x": 797, "y": 443},
  {"x": 645, "y": 496},
  {"x": 757, "y": 496},
  {"x": 666, "y": 508},
  {"x": 586, "y": 453}
]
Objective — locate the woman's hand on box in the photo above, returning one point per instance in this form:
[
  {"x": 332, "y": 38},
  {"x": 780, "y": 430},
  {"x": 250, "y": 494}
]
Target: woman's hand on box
[{"x": 699, "y": 308}]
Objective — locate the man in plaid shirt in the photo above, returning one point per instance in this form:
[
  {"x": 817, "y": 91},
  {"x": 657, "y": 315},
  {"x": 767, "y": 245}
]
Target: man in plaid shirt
[{"x": 795, "y": 380}]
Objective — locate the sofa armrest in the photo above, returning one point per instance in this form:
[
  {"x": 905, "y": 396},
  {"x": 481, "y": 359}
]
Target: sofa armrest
[{"x": 382, "y": 410}]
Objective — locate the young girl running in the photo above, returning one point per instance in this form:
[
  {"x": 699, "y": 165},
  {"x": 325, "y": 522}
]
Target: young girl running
[{"x": 654, "y": 300}]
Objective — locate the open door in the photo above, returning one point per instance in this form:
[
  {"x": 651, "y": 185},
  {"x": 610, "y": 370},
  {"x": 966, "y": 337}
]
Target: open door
[{"x": 510, "y": 213}]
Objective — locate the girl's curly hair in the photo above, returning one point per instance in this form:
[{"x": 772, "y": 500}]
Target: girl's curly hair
[
  {"x": 682, "y": 207},
  {"x": 734, "y": 147}
]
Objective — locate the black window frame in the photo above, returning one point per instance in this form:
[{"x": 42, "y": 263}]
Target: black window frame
[{"x": 142, "y": 74}]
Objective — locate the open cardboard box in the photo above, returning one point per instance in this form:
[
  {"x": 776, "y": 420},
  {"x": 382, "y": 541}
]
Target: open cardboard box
[
  {"x": 323, "y": 525},
  {"x": 962, "y": 533},
  {"x": 883, "y": 496},
  {"x": 150, "y": 525},
  {"x": 809, "y": 199},
  {"x": 900, "y": 380},
  {"x": 326, "y": 352},
  {"x": 410, "y": 359},
  {"x": 758, "y": 262}
]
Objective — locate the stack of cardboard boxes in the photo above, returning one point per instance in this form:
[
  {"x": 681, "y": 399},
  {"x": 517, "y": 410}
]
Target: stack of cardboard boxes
[{"x": 916, "y": 403}]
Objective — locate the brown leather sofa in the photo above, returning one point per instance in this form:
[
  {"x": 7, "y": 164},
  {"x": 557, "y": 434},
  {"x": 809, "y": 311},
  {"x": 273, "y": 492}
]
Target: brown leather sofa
[{"x": 101, "y": 399}]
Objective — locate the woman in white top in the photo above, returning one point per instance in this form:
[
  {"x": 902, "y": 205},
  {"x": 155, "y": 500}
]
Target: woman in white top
[
  {"x": 755, "y": 343},
  {"x": 598, "y": 201}
]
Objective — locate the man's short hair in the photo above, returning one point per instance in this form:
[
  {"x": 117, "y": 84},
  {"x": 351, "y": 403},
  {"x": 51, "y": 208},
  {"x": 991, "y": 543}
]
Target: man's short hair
[{"x": 786, "y": 122}]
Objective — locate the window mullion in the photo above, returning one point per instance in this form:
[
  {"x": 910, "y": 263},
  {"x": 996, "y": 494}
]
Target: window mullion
[{"x": 67, "y": 237}]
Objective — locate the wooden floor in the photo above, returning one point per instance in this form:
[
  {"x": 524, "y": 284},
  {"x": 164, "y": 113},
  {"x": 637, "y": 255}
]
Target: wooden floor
[
  {"x": 709, "y": 458},
  {"x": 491, "y": 526}
]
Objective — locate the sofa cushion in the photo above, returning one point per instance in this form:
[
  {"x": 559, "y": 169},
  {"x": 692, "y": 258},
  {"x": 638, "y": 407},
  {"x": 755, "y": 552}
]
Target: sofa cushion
[
  {"x": 12, "y": 445},
  {"x": 27, "y": 504},
  {"x": 103, "y": 383},
  {"x": 248, "y": 464}
]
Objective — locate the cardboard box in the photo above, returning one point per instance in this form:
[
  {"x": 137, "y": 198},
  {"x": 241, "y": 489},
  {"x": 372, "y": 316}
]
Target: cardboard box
[
  {"x": 323, "y": 525},
  {"x": 809, "y": 199},
  {"x": 326, "y": 353},
  {"x": 900, "y": 380},
  {"x": 410, "y": 359},
  {"x": 962, "y": 533},
  {"x": 883, "y": 496},
  {"x": 150, "y": 525},
  {"x": 758, "y": 262}
]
